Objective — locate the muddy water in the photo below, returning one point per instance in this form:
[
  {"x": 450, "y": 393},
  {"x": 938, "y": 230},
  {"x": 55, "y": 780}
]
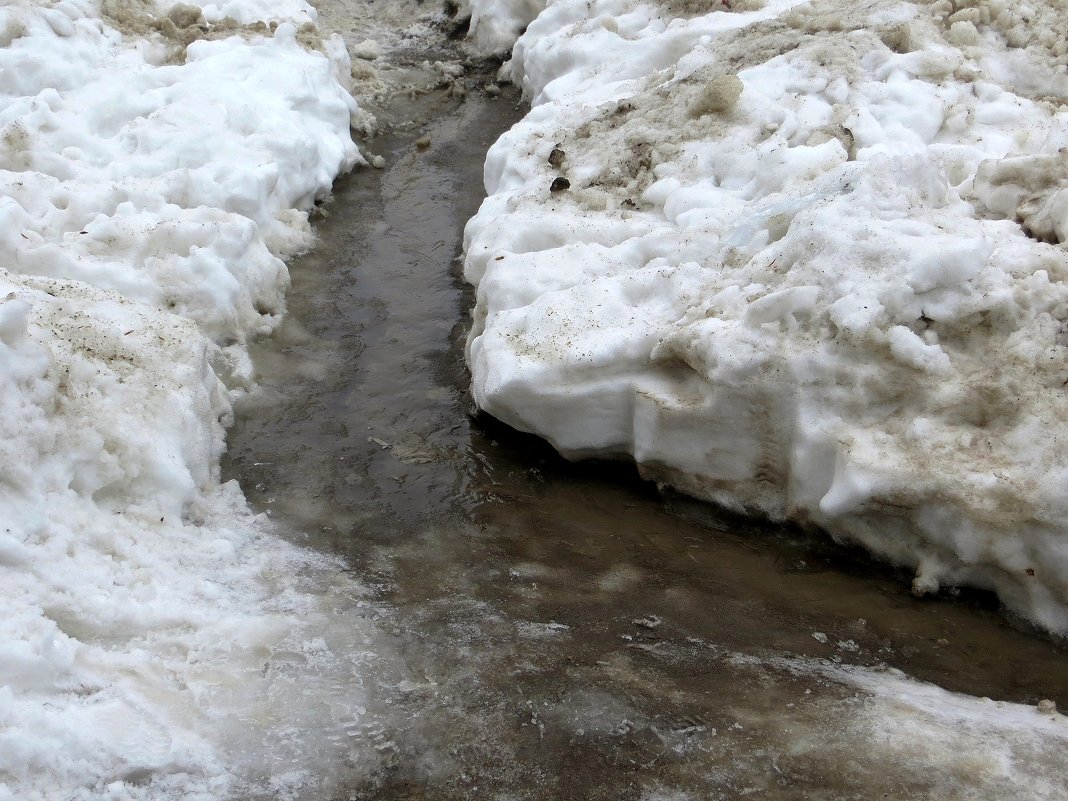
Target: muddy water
[{"x": 558, "y": 630}]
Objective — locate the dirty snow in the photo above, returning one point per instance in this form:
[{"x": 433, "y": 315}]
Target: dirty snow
[
  {"x": 806, "y": 260},
  {"x": 861, "y": 722},
  {"x": 157, "y": 640}
]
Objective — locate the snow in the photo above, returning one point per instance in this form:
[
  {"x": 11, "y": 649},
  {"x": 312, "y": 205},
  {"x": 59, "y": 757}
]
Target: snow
[
  {"x": 148, "y": 190},
  {"x": 883, "y": 723},
  {"x": 157, "y": 164},
  {"x": 495, "y": 24},
  {"x": 811, "y": 265}
]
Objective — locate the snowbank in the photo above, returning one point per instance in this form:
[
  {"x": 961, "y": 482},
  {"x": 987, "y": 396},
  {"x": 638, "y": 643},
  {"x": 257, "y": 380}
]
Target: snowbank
[
  {"x": 178, "y": 185},
  {"x": 495, "y": 24},
  {"x": 804, "y": 260},
  {"x": 151, "y": 624}
]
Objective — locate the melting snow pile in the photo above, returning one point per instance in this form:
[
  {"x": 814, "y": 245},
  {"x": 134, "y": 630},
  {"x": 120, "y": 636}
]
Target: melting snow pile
[
  {"x": 148, "y": 185},
  {"x": 804, "y": 260},
  {"x": 887, "y": 731}
]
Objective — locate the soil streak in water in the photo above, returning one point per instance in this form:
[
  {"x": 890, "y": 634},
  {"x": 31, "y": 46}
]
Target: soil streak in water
[{"x": 563, "y": 630}]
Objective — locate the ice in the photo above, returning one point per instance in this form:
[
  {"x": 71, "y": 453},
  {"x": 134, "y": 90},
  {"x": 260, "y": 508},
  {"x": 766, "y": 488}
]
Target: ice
[
  {"x": 810, "y": 265},
  {"x": 148, "y": 193}
]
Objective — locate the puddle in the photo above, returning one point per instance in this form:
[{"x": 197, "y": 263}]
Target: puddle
[{"x": 560, "y": 630}]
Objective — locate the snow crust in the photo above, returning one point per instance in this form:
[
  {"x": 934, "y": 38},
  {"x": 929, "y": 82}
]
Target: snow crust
[
  {"x": 156, "y": 636},
  {"x": 806, "y": 260}
]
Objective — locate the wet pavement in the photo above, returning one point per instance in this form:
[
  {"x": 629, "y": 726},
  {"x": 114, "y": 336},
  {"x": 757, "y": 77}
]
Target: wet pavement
[{"x": 557, "y": 630}]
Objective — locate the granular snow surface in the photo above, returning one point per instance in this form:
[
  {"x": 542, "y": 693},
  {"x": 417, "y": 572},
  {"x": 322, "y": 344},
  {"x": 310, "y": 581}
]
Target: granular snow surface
[
  {"x": 805, "y": 260},
  {"x": 161, "y": 642},
  {"x": 157, "y": 640}
]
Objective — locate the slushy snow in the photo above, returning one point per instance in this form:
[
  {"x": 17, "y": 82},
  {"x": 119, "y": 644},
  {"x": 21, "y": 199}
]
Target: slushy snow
[
  {"x": 157, "y": 640},
  {"x": 160, "y": 642},
  {"x": 881, "y": 723},
  {"x": 805, "y": 260}
]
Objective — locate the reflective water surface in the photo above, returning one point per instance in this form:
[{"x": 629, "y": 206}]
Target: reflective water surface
[{"x": 561, "y": 630}]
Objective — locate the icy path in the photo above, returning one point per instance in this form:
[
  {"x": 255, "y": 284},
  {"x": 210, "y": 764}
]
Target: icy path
[
  {"x": 475, "y": 618},
  {"x": 555, "y": 631}
]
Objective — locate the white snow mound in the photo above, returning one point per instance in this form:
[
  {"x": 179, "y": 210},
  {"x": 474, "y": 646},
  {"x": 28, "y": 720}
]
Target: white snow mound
[
  {"x": 157, "y": 641},
  {"x": 804, "y": 260},
  {"x": 495, "y": 24}
]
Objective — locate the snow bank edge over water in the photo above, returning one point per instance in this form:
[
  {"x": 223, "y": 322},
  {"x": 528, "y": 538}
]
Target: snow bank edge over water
[{"x": 779, "y": 275}]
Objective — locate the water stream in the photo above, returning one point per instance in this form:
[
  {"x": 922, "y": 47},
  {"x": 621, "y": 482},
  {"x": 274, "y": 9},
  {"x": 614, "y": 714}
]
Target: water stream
[{"x": 560, "y": 630}]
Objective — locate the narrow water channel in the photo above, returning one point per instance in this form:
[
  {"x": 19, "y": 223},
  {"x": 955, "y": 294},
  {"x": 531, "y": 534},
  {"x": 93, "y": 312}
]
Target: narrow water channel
[{"x": 560, "y": 630}]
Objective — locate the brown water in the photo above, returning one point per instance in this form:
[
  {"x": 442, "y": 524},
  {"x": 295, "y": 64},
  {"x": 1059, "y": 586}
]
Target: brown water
[{"x": 562, "y": 631}]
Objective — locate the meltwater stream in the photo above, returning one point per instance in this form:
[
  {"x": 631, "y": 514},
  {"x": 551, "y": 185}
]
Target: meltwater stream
[{"x": 561, "y": 631}]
